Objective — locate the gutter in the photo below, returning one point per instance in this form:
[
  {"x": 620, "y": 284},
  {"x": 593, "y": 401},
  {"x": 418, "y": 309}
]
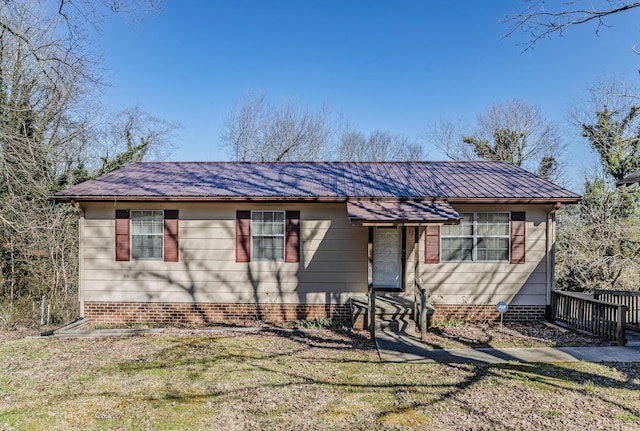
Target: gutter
[
  {"x": 550, "y": 251},
  {"x": 333, "y": 199}
]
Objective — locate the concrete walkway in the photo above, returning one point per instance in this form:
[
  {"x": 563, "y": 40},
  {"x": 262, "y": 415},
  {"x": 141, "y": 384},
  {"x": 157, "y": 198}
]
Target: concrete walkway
[{"x": 397, "y": 346}]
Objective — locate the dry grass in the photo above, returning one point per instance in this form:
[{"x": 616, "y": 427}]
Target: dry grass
[
  {"x": 534, "y": 334},
  {"x": 311, "y": 380}
]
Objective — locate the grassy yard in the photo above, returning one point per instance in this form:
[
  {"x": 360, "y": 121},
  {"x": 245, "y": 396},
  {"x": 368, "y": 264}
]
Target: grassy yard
[{"x": 315, "y": 380}]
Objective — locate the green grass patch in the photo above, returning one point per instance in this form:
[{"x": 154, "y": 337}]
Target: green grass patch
[{"x": 320, "y": 324}]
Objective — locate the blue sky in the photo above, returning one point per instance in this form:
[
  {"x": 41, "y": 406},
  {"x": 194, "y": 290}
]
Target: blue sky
[{"x": 390, "y": 65}]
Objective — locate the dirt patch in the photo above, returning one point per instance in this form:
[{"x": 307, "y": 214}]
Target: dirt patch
[
  {"x": 18, "y": 332},
  {"x": 534, "y": 334}
]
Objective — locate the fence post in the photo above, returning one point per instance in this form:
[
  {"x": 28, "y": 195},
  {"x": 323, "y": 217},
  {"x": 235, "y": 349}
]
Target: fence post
[
  {"x": 554, "y": 306},
  {"x": 622, "y": 322},
  {"x": 42, "y": 310}
]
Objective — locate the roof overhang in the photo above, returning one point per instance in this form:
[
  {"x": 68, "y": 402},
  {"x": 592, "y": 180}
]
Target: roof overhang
[
  {"x": 407, "y": 212},
  {"x": 68, "y": 198},
  {"x": 498, "y": 200},
  {"x": 326, "y": 199},
  {"x": 629, "y": 180}
]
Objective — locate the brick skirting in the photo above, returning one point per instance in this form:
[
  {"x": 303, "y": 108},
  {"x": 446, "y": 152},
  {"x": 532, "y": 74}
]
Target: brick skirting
[
  {"x": 122, "y": 313},
  {"x": 487, "y": 313}
]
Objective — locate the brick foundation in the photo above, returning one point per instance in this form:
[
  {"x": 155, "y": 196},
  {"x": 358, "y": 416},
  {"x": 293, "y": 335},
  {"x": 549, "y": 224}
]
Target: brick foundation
[
  {"x": 180, "y": 314},
  {"x": 183, "y": 314},
  {"x": 487, "y": 313}
]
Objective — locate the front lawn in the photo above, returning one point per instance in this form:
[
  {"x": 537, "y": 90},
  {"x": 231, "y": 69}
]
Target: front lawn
[{"x": 309, "y": 380}]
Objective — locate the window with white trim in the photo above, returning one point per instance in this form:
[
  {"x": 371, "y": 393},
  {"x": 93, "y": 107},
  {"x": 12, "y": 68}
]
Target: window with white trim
[
  {"x": 480, "y": 237},
  {"x": 147, "y": 234},
  {"x": 267, "y": 235}
]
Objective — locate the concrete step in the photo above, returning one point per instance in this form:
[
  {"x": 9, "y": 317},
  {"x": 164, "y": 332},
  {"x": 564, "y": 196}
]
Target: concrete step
[{"x": 387, "y": 307}]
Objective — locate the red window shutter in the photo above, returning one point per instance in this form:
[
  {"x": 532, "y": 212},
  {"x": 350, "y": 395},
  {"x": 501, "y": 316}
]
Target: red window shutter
[
  {"x": 122, "y": 236},
  {"x": 292, "y": 246},
  {"x": 171, "y": 235},
  {"x": 518, "y": 237},
  {"x": 432, "y": 244},
  {"x": 243, "y": 236}
]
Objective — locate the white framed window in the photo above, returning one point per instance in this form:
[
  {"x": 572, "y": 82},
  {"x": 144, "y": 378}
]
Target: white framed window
[
  {"x": 147, "y": 234},
  {"x": 480, "y": 237},
  {"x": 267, "y": 235}
]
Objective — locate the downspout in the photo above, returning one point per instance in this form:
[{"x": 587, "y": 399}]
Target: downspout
[
  {"x": 80, "y": 255},
  {"x": 550, "y": 254}
]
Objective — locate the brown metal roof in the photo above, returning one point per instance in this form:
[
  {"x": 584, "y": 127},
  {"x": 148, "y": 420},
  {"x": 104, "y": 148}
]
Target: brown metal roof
[
  {"x": 337, "y": 181},
  {"x": 395, "y": 210},
  {"x": 629, "y": 179}
]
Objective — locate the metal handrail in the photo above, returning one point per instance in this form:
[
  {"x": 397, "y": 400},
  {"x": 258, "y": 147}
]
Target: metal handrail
[{"x": 372, "y": 313}]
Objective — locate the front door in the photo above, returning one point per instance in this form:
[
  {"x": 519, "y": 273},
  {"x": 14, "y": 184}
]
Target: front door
[{"x": 387, "y": 257}]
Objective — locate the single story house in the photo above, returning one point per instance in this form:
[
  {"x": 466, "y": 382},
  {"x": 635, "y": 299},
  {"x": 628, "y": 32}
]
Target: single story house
[
  {"x": 179, "y": 242},
  {"x": 629, "y": 180}
]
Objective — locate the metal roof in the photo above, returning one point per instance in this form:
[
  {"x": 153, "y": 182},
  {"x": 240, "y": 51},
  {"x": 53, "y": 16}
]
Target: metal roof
[
  {"x": 338, "y": 181},
  {"x": 395, "y": 210},
  {"x": 629, "y": 179}
]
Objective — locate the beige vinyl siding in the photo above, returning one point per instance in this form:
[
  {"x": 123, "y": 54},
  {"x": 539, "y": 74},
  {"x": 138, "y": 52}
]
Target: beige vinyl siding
[
  {"x": 487, "y": 283},
  {"x": 333, "y": 263}
]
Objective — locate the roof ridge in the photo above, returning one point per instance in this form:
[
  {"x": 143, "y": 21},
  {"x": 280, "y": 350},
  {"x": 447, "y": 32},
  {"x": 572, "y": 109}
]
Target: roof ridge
[{"x": 314, "y": 162}]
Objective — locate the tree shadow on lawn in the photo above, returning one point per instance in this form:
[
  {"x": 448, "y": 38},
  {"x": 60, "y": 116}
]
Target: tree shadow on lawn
[
  {"x": 301, "y": 360},
  {"x": 492, "y": 335},
  {"x": 213, "y": 348},
  {"x": 548, "y": 377}
]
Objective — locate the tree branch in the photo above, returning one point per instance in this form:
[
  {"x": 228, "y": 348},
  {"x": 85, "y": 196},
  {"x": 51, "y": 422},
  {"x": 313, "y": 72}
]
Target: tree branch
[{"x": 540, "y": 24}]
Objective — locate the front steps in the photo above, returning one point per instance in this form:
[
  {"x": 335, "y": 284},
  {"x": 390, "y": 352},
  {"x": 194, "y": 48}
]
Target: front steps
[{"x": 394, "y": 308}]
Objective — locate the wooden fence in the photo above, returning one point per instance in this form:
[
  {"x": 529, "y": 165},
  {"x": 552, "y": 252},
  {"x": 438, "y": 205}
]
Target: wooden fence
[
  {"x": 601, "y": 318},
  {"x": 630, "y": 299}
]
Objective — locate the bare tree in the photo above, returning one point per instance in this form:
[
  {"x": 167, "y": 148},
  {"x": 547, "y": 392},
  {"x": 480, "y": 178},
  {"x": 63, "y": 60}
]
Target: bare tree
[
  {"x": 48, "y": 78},
  {"x": 542, "y": 19},
  {"x": 514, "y": 131},
  {"x": 608, "y": 116},
  {"x": 378, "y": 146},
  {"x": 132, "y": 135},
  {"x": 448, "y": 136},
  {"x": 261, "y": 130},
  {"x": 258, "y": 129},
  {"x": 599, "y": 240}
]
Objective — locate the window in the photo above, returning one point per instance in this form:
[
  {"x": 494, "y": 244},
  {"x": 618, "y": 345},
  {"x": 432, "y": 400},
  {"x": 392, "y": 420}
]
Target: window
[
  {"x": 268, "y": 235},
  {"x": 147, "y": 234},
  {"x": 480, "y": 237}
]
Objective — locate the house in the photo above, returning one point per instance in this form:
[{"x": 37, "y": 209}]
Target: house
[
  {"x": 629, "y": 180},
  {"x": 197, "y": 243}
]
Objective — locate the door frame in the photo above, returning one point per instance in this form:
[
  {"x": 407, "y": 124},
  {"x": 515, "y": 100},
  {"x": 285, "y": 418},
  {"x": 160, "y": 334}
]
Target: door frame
[{"x": 403, "y": 260}]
